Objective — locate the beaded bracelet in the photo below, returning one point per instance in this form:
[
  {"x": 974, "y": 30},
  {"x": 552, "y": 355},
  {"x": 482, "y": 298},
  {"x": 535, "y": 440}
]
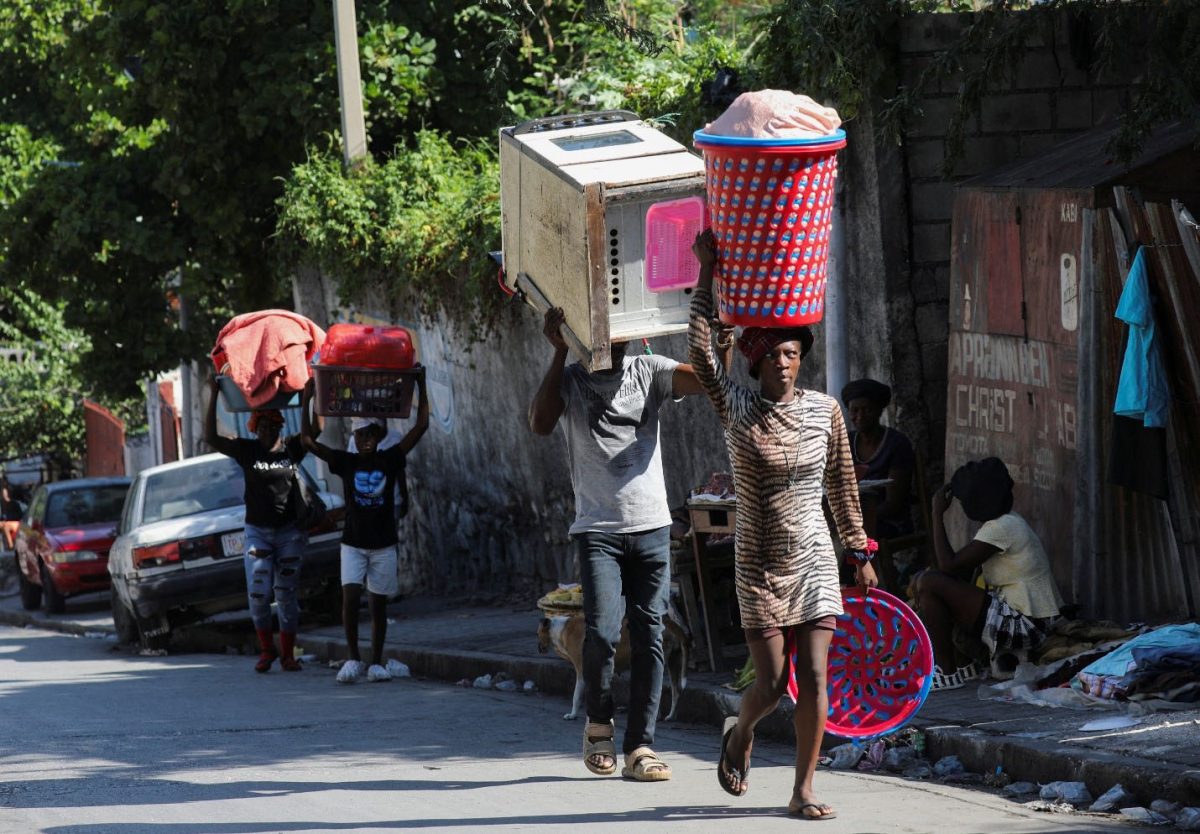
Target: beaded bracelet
[{"x": 865, "y": 555}]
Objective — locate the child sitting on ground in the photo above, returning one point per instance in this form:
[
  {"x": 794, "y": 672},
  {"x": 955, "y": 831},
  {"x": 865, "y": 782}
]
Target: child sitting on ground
[{"x": 1022, "y": 600}]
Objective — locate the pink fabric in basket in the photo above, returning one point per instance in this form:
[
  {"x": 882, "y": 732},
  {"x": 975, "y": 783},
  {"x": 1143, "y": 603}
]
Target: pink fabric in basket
[
  {"x": 268, "y": 352},
  {"x": 775, "y": 114}
]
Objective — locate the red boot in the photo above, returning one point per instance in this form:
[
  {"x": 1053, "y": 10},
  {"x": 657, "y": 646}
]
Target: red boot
[
  {"x": 287, "y": 657},
  {"x": 267, "y": 640}
]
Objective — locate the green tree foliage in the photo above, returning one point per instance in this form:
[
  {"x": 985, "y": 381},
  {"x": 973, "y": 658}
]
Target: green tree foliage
[
  {"x": 41, "y": 397},
  {"x": 177, "y": 122},
  {"x": 416, "y": 225}
]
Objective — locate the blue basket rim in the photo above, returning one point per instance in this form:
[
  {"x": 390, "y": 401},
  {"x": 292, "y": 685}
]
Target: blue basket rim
[{"x": 838, "y": 135}]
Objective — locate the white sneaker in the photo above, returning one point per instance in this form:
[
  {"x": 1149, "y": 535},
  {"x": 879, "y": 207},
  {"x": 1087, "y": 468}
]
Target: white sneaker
[
  {"x": 378, "y": 673},
  {"x": 350, "y": 672},
  {"x": 943, "y": 681}
]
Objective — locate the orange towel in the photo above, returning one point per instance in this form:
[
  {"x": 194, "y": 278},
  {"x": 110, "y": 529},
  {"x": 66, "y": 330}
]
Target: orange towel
[{"x": 267, "y": 352}]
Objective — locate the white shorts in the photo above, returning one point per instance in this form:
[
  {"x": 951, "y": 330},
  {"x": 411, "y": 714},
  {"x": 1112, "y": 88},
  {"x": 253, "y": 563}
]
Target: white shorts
[{"x": 378, "y": 569}]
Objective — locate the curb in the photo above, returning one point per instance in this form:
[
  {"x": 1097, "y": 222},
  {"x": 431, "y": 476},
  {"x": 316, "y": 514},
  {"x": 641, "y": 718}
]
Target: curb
[
  {"x": 20, "y": 620},
  {"x": 1042, "y": 761}
]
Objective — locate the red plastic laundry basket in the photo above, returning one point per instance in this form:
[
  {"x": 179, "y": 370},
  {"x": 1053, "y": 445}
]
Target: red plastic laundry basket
[
  {"x": 880, "y": 666},
  {"x": 770, "y": 203}
]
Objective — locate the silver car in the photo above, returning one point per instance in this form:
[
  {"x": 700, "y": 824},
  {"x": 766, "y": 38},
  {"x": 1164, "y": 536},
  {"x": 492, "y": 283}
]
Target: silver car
[{"x": 178, "y": 555}]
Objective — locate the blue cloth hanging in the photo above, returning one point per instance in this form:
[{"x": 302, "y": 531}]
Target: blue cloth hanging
[{"x": 1142, "y": 391}]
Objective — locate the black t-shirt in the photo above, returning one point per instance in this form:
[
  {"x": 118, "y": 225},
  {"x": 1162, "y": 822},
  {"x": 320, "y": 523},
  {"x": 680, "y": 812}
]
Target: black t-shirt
[
  {"x": 271, "y": 492},
  {"x": 369, "y": 482}
]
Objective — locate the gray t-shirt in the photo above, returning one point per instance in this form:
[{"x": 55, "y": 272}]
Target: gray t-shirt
[{"x": 611, "y": 424}]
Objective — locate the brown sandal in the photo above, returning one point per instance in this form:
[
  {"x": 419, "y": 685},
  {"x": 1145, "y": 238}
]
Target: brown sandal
[
  {"x": 644, "y": 765},
  {"x": 598, "y": 741}
]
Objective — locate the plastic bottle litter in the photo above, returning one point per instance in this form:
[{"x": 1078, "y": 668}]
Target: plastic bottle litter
[
  {"x": 1072, "y": 793},
  {"x": 483, "y": 682},
  {"x": 948, "y": 766},
  {"x": 1021, "y": 789},
  {"x": 507, "y": 686},
  {"x": 398, "y": 669},
  {"x": 1113, "y": 799},
  {"x": 1188, "y": 819}
]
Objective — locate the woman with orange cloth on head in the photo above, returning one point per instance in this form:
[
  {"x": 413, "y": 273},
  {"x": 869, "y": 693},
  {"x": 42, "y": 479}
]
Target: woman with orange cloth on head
[
  {"x": 786, "y": 445},
  {"x": 274, "y": 539}
]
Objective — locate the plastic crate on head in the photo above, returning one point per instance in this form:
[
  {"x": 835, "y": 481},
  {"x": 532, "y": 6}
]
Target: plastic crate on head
[{"x": 343, "y": 391}]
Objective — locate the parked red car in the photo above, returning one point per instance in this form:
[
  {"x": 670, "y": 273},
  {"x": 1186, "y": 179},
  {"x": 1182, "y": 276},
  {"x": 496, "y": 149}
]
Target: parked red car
[{"x": 63, "y": 541}]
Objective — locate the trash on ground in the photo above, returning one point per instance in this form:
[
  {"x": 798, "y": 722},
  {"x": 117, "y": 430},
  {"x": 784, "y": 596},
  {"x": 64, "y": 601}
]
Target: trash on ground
[
  {"x": 483, "y": 682},
  {"x": 153, "y": 652},
  {"x": 308, "y": 658},
  {"x": 898, "y": 758},
  {"x": 948, "y": 766},
  {"x": 398, "y": 669},
  {"x": 1188, "y": 819},
  {"x": 1145, "y": 816},
  {"x": 1166, "y": 808},
  {"x": 1114, "y": 799},
  {"x": 963, "y": 778},
  {"x": 464, "y": 682},
  {"x": 530, "y": 686},
  {"x": 95, "y": 635},
  {"x": 507, "y": 686},
  {"x": 1050, "y": 807},
  {"x": 920, "y": 770},
  {"x": 846, "y": 756},
  {"x": 1072, "y": 793},
  {"x": 1110, "y": 722},
  {"x": 1020, "y": 789}
]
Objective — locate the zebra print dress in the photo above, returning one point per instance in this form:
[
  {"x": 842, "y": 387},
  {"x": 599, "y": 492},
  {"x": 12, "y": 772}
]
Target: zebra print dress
[{"x": 782, "y": 455}]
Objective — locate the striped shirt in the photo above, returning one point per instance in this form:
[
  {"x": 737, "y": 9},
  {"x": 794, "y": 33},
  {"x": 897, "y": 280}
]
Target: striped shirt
[{"x": 784, "y": 456}]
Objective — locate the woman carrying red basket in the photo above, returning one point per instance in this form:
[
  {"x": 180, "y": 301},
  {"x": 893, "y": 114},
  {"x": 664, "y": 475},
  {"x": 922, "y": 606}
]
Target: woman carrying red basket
[{"x": 785, "y": 445}]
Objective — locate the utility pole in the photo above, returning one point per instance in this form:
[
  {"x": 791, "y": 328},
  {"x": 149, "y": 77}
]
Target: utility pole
[{"x": 345, "y": 35}]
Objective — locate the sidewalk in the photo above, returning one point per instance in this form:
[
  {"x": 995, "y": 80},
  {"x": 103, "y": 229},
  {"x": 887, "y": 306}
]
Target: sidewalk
[{"x": 1157, "y": 759}]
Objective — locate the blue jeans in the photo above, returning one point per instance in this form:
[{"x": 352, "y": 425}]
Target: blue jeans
[
  {"x": 273, "y": 558},
  {"x": 638, "y": 566}
]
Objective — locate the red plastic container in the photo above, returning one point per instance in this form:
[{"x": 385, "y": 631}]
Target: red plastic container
[
  {"x": 368, "y": 346},
  {"x": 880, "y": 666},
  {"x": 770, "y": 204}
]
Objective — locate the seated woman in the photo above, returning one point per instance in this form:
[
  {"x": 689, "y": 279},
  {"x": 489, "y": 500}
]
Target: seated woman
[
  {"x": 880, "y": 453},
  {"x": 1022, "y": 600}
]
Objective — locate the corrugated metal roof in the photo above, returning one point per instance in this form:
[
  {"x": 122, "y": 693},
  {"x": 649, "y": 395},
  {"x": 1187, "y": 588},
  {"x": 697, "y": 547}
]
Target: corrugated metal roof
[{"x": 1085, "y": 162}]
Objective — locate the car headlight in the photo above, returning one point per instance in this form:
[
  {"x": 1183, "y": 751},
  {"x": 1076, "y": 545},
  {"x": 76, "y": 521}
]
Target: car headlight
[{"x": 63, "y": 556}]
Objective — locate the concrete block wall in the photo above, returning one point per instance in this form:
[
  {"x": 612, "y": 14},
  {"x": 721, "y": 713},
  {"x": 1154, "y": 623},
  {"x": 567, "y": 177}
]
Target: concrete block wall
[{"x": 1046, "y": 99}]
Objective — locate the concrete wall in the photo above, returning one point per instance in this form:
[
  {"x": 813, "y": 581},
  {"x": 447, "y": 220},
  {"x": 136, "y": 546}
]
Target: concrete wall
[{"x": 492, "y": 502}]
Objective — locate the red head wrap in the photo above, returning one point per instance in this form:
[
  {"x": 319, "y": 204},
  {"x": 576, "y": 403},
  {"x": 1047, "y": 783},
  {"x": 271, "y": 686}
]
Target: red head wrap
[
  {"x": 271, "y": 415},
  {"x": 757, "y": 342}
]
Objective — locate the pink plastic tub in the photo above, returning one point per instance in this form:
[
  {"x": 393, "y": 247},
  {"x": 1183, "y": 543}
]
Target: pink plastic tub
[{"x": 671, "y": 227}]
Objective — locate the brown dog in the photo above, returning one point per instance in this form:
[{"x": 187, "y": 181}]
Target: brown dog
[{"x": 565, "y": 634}]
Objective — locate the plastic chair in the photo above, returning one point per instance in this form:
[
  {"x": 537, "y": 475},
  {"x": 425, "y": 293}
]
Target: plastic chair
[{"x": 885, "y": 562}]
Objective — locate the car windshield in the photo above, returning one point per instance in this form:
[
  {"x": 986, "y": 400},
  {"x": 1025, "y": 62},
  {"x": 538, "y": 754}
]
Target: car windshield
[
  {"x": 188, "y": 490},
  {"x": 85, "y": 505}
]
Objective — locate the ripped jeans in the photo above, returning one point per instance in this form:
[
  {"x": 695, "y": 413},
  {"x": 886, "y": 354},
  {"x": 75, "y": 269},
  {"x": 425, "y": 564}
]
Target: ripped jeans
[{"x": 273, "y": 558}]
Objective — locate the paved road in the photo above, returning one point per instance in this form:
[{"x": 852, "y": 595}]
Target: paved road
[{"x": 97, "y": 740}]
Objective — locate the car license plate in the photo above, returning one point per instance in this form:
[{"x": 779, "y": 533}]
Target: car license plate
[{"x": 234, "y": 544}]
